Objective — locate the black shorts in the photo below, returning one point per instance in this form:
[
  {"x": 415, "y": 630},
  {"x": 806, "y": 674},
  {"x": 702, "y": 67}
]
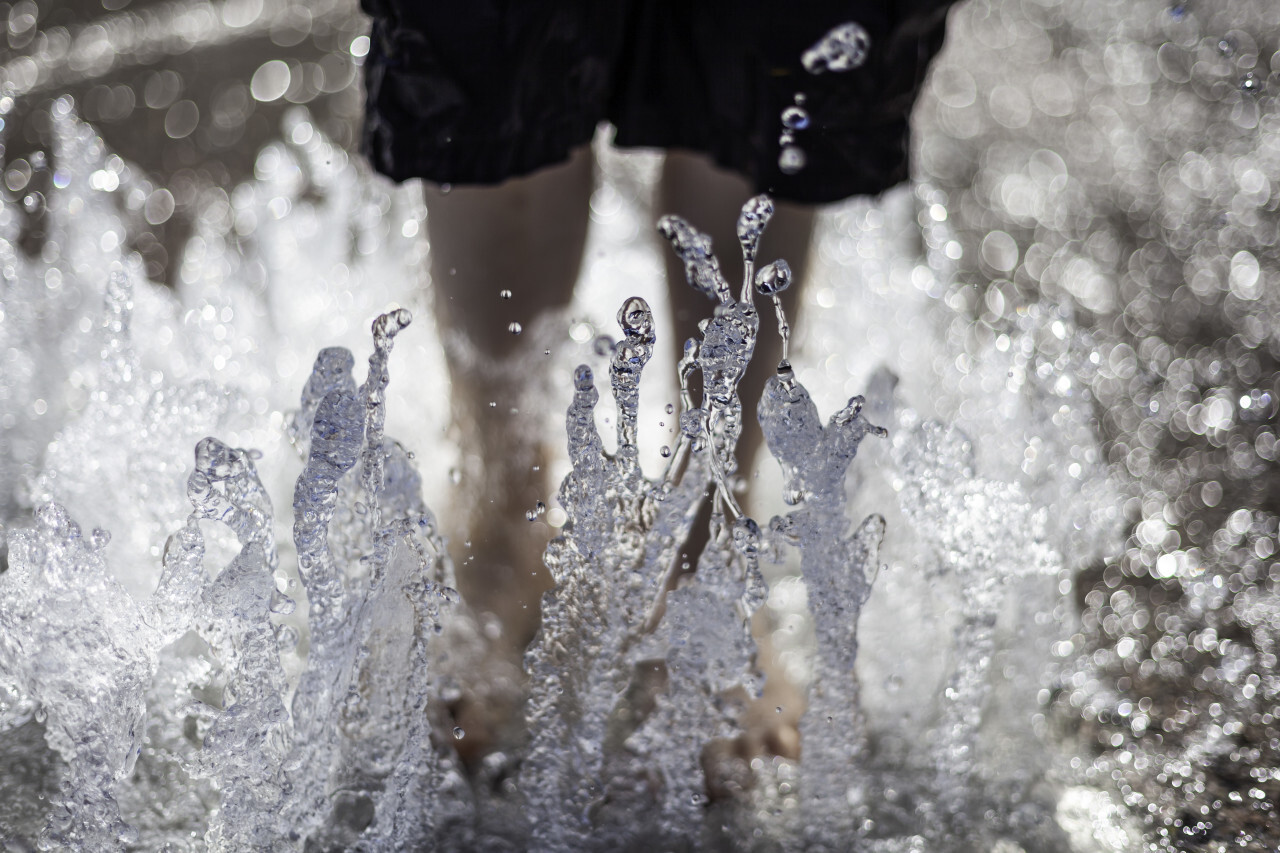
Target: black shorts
[{"x": 479, "y": 91}]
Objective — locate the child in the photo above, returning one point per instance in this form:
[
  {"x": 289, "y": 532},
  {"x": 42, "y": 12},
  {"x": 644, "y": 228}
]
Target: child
[{"x": 493, "y": 104}]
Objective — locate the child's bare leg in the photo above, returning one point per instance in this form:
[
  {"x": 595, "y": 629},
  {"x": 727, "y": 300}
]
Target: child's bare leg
[{"x": 501, "y": 255}]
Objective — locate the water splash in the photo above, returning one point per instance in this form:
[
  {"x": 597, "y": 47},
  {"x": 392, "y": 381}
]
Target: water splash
[{"x": 307, "y": 694}]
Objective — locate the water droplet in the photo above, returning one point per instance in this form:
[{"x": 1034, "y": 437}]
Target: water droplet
[
  {"x": 530, "y": 515},
  {"x": 795, "y": 118},
  {"x": 786, "y": 138},
  {"x": 1227, "y": 46},
  {"x": 540, "y": 507},
  {"x": 99, "y": 538},
  {"x": 505, "y": 294},
  {"x": 670, "y": 409},
  {"x": 515, "y": 328},
  {"x": 665, "y": 451},
  {"x": 493, "y": 404},
  {"x": 844, "y": 48},
  {"x": 778, "y": 710},
  {"x": 791, "y": 160},
  {"x": 602, "y": 345},
  {"x": 752, "y": 220},
  {"x": 455, "y": 476},
  {"x": 773, "y": 278},
  {"x": 1250, "y": 83},
  {"x": 800, "y": 98},
  {"x": 459, "y": 733},
  {"x": 636, "y": 319}
]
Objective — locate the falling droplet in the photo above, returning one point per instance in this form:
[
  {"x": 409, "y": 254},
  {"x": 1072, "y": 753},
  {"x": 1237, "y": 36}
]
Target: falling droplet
[
  {"x": 530, "y": 515},
  {"x": 670, "y": 408},
  {"x": 791, "y": 160},
  {"x": 505, "y": 294},
  {"x": 665, "y": 451},
  {"x": 795, "y": 118},
  {"x": 459, "y": 733},
  {"x": 515, "y": 328},
  {"x": 540, "y": 508},
  {"x": 844, "y": 48}
]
